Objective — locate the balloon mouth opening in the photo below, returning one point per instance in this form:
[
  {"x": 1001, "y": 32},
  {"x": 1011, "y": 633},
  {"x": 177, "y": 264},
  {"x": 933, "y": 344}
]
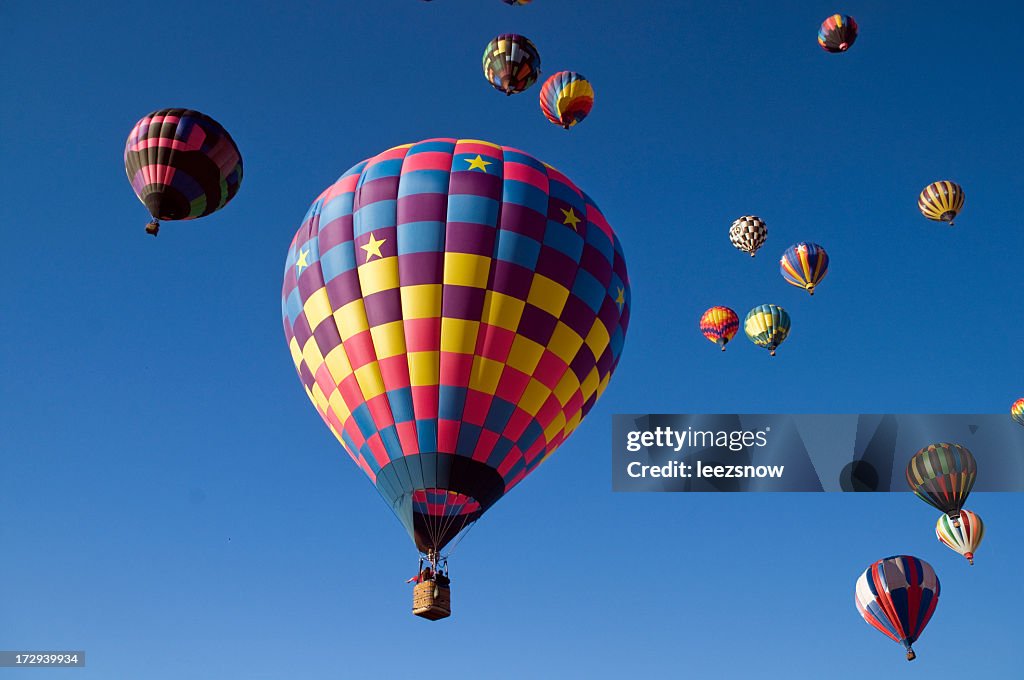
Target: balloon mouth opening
[
  {"x": 970, "y": 558},
  {"x": 753, "y": 254},
  {"x": 948, "y": 216},
  {"x": 843, "y": 47},
  {"x": 810, "y": 288}
]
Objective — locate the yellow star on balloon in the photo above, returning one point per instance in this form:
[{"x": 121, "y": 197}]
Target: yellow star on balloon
[
  {"x": 621, "y": 300},
  {"x": 372, "y": 247},
  {"x": 301, "y": 262},
  {"x": 570, "y": 218},
  {"x": 477, "y": 163}
]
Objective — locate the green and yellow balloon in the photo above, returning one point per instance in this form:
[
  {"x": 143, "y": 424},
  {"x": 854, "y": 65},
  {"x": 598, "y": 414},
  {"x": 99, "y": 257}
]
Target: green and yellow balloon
[{"x": 767, "y": 326}]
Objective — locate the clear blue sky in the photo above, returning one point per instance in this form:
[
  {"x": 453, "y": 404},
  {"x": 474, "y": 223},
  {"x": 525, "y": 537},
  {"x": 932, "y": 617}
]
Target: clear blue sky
[{"x": 171, "y": 503}]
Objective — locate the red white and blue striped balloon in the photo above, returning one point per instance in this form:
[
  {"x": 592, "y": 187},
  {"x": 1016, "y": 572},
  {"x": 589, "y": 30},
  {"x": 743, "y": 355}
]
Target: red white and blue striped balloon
[{"x": 897, "y": 596}]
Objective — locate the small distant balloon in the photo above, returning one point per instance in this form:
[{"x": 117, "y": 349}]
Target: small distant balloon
[
  {"x": 1017, "y": 411},
  {"x": 719, "y": 325},
  {"x": 897, "y": 596},
  {"x": 942, "y": 475},
  {"x": 941, "y": 201},
  {"x": 963, "y": 538},
  {"x": 804, "y": 265},
  {"x": 566, "y": 98},
  {"x": 767, "y": 326},
  {"x": 748, "y": 233},
  {"x": 182, "y": 165},
  {"x": 511, "y": 63},
  {"x": 837, "y": 33}
]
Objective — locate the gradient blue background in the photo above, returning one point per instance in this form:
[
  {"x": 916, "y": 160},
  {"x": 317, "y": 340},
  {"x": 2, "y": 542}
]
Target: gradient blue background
[{"x": 171, "y": 503}]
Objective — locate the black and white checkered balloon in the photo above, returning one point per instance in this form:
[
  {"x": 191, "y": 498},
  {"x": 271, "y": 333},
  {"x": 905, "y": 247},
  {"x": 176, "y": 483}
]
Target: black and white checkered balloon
[{"x": 748, "y": 233}]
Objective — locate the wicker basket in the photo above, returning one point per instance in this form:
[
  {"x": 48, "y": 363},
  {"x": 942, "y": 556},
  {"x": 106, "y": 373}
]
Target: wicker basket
[{"x": 432, "y": 601}]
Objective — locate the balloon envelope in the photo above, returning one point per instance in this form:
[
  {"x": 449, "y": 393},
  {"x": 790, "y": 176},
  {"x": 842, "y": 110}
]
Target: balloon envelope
[
  {"x": 767, "y": 326},
  {"x": 454, "y": 308},
  {"x": 511, "y": 63},
  {"x": 941, "y": 201},
  {"x": 719, "y": 325},
  {"x": 748, "y": 233},
  {"x": 942, "y": 475},
  {"x": 566, "y": 98},
  {"x": 1017, "y": 411},
  {"x": 804, "y": 265},
  {"x": 837, "y": 33},
  {"x": 897, "y": 596},
  {"x": 963, "y": 537},
  {"x": 182, "y": 164}
]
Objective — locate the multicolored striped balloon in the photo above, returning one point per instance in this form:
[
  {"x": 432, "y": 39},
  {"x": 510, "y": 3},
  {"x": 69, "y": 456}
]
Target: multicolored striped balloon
[
  {"x": 804, "y": 265},
  {"x": 767, "y": 326},
  {"x": 719, "y": 325},
  {"x": 942, "y": 475},
  {"x": 897, "y": 596},
  {"x": 566, "y": 98},
  {"x": 941, "y": 201},
  {"x": 511, "y": 63},
  {"x": 1017, "y": 411},
  {"x": 454, "y": 309},
  {"x": 837, "y": 33},
  {"x": 182, "y": 165},
  {"x": 964, "y": 537}
]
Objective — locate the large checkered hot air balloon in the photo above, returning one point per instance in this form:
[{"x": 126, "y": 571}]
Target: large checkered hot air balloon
[
  {"x": 454, "y": 308},
  {"x": 182, "y": 165}
]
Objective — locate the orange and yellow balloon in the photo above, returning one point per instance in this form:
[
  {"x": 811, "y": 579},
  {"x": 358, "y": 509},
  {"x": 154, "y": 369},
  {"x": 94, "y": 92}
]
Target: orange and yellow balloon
[
  {"x": 1017, "y": 411},
  {"x": 719, "y": 325}
]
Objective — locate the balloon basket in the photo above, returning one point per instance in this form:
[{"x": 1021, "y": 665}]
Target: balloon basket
[{"x": 432, "y": 601}]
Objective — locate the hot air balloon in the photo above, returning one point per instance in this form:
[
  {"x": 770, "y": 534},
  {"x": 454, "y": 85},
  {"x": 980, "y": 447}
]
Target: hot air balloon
[
  {"x": 719, "y": 325},
  {"x": 511, "y": 63},
  {"x": 897, "y": 595},
  {"x": 837, "y": 33},
  {"x": 963, "y": 538},
  {"x": 182, "y": 165},
  {"x": 804, "y": 265},
  {"x": 1017, "y": 411},
  {"x": 941, "y": 201},
  {"x": 517, "y": 2},
  {"x": 748, "y": 233},
  {"x": 566, "y": 98},
  {"x": 454, "y": 308},
  {"x": 942, "y": 475},
  {"x": 767, "y": 326}
]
